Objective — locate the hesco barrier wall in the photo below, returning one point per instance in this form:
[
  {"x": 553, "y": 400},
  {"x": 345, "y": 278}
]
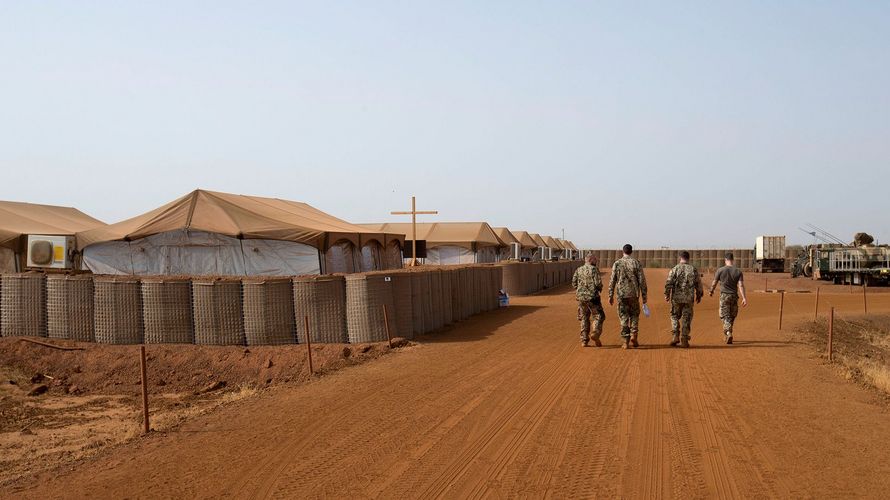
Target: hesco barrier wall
[
  {"x": 704, "y": 260},
  {"x": 167, "y": 311},
  {"x": 524, "y": 278},
  {"x": 260, "y": 311},
  {"x": 69, "y": 307}
]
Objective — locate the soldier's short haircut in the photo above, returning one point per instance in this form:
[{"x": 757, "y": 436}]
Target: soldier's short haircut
[
  {"x": 684, "y": 255},
  {"x": 628, "y": 249},
  {"x": 590, "y": 258},
  {"x": 728, "y": 256}
]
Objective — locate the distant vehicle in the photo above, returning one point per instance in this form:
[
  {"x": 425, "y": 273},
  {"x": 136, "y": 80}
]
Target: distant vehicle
[
  {"x": 845, "y": 264},
  {"x": 769, "y": 254}
]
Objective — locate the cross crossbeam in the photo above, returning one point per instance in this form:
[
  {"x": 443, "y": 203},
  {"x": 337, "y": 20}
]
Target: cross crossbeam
[{"x": 414, "y": 213}]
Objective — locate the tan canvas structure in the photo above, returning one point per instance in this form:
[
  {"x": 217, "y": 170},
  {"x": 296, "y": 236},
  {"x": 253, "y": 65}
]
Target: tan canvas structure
[
  {"x": 450, "y": 242},
  {"x": 18, "y": 220},
  {"x": 208, "y": 232},
  {"x": 525, "y": 239},
  {"x": 508, "y": 241}
]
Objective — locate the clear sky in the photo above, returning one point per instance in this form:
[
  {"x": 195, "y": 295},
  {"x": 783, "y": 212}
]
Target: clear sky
[{"x": 694, "y": 124}]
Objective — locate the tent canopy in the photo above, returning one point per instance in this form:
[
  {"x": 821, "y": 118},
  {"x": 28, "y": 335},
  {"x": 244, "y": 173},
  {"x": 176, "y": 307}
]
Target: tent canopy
[
  {"x": 461, "y": 234},
  {"x": 505, "y": 236},
  {"x": 18, "y": 219},
  {"x": 539, "y": 242},
  {"x": 551, "y": 242},
  {"x": 568, "y": 245},
  {"x": 525, "y": 240},
  {"x": 239, "y": 216}
]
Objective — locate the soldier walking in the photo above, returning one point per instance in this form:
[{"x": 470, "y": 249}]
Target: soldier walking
[
  {"x": 629, "y": 282},
  {"x": 732, "y": 285},
  {"x": 682, "y": 287},
  {"x": 587, "y": 284}
]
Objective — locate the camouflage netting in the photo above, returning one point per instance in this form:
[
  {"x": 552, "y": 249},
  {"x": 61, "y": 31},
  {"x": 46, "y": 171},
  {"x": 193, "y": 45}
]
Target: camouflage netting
[{"x": 862, "y": 239}]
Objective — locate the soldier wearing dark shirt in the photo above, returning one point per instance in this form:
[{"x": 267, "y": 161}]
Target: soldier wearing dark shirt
[{"x": 732, "y": 285}]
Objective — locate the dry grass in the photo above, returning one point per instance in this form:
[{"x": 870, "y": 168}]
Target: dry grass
[{"x": 861, "y": 346}]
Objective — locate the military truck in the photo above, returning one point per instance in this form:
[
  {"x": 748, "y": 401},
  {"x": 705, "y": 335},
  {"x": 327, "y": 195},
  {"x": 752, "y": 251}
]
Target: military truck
[
  {"x": 845, "y": 264},
  {"x": 769, "y": 254}
]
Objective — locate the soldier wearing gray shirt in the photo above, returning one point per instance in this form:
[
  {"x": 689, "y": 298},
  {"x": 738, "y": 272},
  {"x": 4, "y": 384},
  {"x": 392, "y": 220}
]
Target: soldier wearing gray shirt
[{"x": 732, "y": 285}]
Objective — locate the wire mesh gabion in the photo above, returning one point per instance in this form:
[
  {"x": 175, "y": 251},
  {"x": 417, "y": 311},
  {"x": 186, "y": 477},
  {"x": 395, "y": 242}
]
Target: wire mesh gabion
[
  {"x": 23, "y": 305},
  {"x": 366, "y": 295},
  {"x": 447, "y": 311},
  {"x": 438, "y": 315},
  {"x": 268, "y": 311},
  {"x": 456, "y": 294},
  {"x": 167, "y": 310},
  {"x": 420, "y": 287},
  {"x": 323, "y": 300},
  {"x": 217, "y": 311},
  {"x": 69, "y": 307},
  {"x": 402, "y": 304},
  {"x": 117, "y": 303}
]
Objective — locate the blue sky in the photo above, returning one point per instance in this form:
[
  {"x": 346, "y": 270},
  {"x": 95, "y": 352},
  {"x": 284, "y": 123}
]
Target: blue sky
[{"x": 684, "y": 124}]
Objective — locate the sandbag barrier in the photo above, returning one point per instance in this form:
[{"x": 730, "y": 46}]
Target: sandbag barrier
[
  {"x": 526, "y": 278},
  {"x": 248, "y": 311}
]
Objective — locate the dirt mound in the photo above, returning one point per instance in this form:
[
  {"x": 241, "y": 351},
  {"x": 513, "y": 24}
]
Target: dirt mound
[{"x": 114, "y": 369}]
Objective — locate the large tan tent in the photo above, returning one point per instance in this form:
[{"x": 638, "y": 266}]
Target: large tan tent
[
  {"x": 213, "y": 233},
  {"x": 540, "y": 245},
  {"x": 528, "y": 245},
  {"x": 556, "y": 249},
  {"x": 18, "y": 220},
  {"x": 569, "y": 249},
  {"x": 508, "y": 241},
  {"x": 450, "y": 242}
]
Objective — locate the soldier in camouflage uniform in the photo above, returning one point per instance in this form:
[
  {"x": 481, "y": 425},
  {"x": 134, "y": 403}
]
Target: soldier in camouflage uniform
[
  {"x": 587, "y": 284},
  {"x": 682, "y": 287},
  {"x": 732, "y": 284},
  {"x": 629, "y": 282}
]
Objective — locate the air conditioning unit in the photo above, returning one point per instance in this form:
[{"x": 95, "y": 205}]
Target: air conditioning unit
[
  {"x": 515, "y": 251},
  {"x": 54, "y": 252}
]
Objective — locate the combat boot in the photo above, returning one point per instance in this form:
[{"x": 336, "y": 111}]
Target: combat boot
[
  {"x": 684, "y": 342},
  {"x": 597, "y": 342},
  {"x": 729, "y": 339},
  {"x": 625, "y": 344},
  {"x": 675, "y": 339},
  {"x": 633, "y": 340},
  {"x": 584, "y": 344}
]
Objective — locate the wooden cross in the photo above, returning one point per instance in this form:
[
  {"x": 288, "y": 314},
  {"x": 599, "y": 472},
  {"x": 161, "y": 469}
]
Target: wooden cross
[{"x": 414, "y": 213}]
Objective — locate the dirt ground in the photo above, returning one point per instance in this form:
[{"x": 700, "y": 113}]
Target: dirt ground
[
  {"x": 60, "y": 406},
  {"x": 509, "y": 404}
]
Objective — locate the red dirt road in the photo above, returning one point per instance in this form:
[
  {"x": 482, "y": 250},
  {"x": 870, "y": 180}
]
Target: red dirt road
[{"x": 508, "y": 404}]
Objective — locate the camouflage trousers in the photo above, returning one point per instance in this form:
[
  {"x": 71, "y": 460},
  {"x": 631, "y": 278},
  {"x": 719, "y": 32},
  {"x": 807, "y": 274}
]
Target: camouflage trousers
[
  {"x": 681, "y": 319},
  {"x": 729, "y": 309},
  {"x": 586, "y": 309},
  {"x": 629, "y": 316}
]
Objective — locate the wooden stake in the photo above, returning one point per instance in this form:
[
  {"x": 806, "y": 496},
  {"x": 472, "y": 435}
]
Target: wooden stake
[
  {"x": 831, "y": 334},
  {"x": 781, "y": 308},
  {"x": 765, "y": 284},
  {"x": 143, "y": 368},
  {"x": 386, "y": 325},
  {"x": 816, "y": 315},
  {"x": 308, "y": 345},
  {"x": 865, "y": 297}
]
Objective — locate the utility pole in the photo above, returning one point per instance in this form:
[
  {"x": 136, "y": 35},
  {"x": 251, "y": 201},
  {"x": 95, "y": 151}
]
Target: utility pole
[{"x": 414, "y": 213}]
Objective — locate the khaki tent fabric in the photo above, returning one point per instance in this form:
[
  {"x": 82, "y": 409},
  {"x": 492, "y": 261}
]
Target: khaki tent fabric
[
  {"x": 524, "y": 239},
  {"x": 505, "y": 236},
  {"x": 552, "y": 243},
  {"x": 18, "y": 219},
  {"x": 539, "y": 242},
  {"x": 467, "y": 235},
  {"x": 239, "y": 216}
]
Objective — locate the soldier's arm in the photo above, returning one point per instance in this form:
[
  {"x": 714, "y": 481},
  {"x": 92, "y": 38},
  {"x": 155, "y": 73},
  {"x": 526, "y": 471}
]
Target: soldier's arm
[
  {"x": 713, "y": 284},
  {"x": 698, "y": 288},
  {"x": 742, "y": 291},
  {"x": 575, "y": 279},
  {"x": 644, "y": 289},
  {"x": 612, "y": 280},
  {"x": 669, "y": 286}
]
